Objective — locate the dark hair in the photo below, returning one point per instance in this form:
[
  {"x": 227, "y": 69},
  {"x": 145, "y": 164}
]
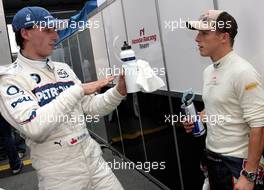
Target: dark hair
[
  {"x": 228, "y": 25},
  {"x": 19, "y": 38}
]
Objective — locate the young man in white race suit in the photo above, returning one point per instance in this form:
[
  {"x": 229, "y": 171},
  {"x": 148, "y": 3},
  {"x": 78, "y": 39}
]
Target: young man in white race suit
[{"x": 44, "y": 100}]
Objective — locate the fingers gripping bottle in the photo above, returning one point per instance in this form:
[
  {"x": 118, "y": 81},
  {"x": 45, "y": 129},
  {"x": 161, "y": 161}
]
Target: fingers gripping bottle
[
  {"x": 130, "y": 67},
  {"x": 191, "y": 112}
]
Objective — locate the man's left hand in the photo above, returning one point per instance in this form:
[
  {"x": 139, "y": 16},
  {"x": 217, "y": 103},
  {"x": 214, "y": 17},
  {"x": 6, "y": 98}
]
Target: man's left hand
[
  {"x": 243, "y": 184},
  {"x": 121, "y": 85}
]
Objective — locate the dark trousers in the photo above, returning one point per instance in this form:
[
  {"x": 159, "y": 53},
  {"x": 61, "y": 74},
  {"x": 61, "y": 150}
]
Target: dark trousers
[
  {"x": 223, "y": 169},
  {"x": 9, "y": 143}
]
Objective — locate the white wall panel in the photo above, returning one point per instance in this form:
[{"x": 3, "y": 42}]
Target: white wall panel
[
  {"x": 115, "y": 34},
  {"x": 249, "y": 42},
  {"x": 184, "y": 63},
  {"x": 5, "y": 55},
  {"x": 99, "y": 46},
  {"x": 142, "y": 24}
]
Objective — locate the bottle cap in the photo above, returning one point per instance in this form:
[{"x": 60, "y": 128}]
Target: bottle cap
[{"x": 185, "y": 97}]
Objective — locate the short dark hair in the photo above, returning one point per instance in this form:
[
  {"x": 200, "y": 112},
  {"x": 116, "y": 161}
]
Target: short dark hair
[
  {"x": 229, "y": 26},
  {"x": 19, "y": 38}
]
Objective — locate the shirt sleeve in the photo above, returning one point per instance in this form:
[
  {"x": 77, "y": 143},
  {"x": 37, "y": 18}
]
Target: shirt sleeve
[
  {"x": 99, "y": 104},
  {"x": 250, "y": 93},
  {"x": 102, "y": 104},
  {"x": 20, "y": 107}
]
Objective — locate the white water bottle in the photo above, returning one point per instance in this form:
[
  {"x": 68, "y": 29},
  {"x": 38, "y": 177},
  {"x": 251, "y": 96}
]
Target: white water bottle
[{"x": 130, "y": 67}]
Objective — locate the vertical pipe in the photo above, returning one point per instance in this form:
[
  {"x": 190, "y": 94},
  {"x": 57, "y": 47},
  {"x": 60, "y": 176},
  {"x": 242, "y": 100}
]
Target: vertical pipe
[
  {"x": 80, "y": 55},
  {"x": 108, "y": 56},
  {"x": 68, "y": 41},
  {"x": 135, "y": 101},
  {"x": 170, "y": 99},
  {"x": 120, "y": 132},
  {"x": 216, "y": 5},
  {"x": 135, "y": 96},
  {"x": 124, "y": 16},
  {"x": 106, "y": 45}
]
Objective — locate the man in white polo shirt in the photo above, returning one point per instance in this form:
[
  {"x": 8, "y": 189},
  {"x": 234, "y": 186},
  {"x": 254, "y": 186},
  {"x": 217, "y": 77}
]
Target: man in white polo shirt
[{"x": 232, "y": 90}]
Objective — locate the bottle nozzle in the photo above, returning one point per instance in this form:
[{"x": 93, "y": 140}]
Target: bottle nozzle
[
  {"x": 125, "y": 46},
  {"x": 186, "y": 100}
]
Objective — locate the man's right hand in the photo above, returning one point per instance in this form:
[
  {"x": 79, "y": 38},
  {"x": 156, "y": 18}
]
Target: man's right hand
[
  {"x": 188, "y": 124},
  {"x": 92, "y": 87}
]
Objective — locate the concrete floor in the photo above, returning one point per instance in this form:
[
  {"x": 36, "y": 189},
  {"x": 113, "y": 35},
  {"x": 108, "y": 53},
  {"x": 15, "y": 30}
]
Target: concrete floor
[{"x": 27, "y": 180}]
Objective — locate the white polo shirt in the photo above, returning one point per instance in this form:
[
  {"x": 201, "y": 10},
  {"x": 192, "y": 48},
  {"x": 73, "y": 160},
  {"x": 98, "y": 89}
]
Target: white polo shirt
[{"x": 234, "y": 102}]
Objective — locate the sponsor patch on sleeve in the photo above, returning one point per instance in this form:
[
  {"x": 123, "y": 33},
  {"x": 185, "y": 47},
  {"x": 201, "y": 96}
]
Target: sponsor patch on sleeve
[
  {"x": 13, "y": 90},
  {"x": 251, "y": 86}
]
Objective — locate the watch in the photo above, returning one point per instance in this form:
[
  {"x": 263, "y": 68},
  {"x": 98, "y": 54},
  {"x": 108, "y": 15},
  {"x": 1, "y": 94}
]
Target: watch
[{"x": 251, "y": 176}]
